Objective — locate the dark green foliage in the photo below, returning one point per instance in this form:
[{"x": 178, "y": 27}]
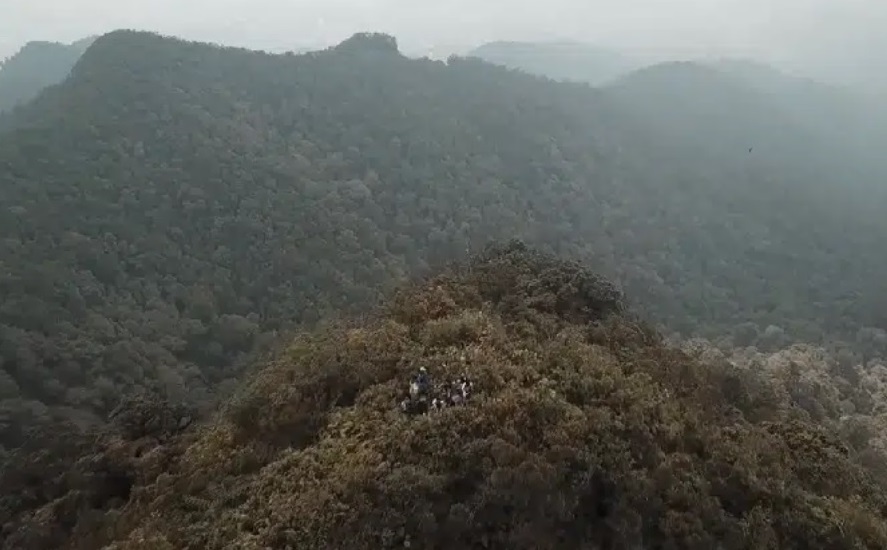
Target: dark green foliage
[
  {"x": 172, "y": 206},
  {"x": 58, "y": 479},
  {"x": 148, "y": 415},
  {"x": 68, "y": 480},
  {"x": 591, "y": 435}
]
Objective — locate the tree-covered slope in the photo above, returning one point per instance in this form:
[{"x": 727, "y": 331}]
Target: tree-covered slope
[
  {"x": 854, "y": 122},
  {"x": 172, "y": 206},
  {"x": 36, "y": 66},
  {"x": 705, "y": 103},
  {"x": 721, "y": 109},
  {"x": 693, "y": 103},
  {"x": 584, "y": 431},
  {"x": 780, "y": 154}
]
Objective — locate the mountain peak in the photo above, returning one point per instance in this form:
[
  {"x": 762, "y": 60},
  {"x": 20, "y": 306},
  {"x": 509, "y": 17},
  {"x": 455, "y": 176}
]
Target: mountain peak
[
  {"x": 369, "y": 42},
  {"x": 119, "y": 49}
]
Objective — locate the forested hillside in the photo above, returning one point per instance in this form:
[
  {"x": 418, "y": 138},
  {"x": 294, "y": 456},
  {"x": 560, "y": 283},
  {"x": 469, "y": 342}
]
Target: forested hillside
[
  {"x": 855, "y": 121},
  {"x": 584, "y": 431},
  {"x": 703, "y": 103},
  {"x": 172, "y": 206},
  {"x": 796, "y": 128},
  {"x": 34, "y": 67}
]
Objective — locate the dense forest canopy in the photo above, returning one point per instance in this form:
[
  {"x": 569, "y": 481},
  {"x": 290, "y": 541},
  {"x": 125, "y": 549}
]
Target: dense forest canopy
[
  {"x": 584, "y": 431},
  {"x": 172, "y": 210},
  {"x": 172, "y": 206}
]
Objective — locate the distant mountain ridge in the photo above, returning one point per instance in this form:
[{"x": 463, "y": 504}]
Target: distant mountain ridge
[
  {"x": 570, "y": 61},
  {"x": 759, "y": 107},
  {"x": 856, "y": 121},
  {"x": 36, "y": 66}
]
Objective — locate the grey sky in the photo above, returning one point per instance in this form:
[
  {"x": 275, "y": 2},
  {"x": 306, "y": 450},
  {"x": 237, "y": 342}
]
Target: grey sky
[{"x": 841, "y": 32}]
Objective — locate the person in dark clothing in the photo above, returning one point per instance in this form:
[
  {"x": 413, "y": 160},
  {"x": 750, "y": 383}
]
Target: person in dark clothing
[
  {"x": 465, "y": 387},
  {"x": 419, "y": 385},
  {"x": 423, "y": 380}
]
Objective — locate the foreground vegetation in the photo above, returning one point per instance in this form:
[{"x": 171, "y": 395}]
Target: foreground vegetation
[{"x": 586, "y": 432}]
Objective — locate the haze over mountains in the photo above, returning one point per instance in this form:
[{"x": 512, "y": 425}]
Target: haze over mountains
[
  {"x": 838, "y": 42},
  {"x": 34, "y": 67},
  {"x": 173, "y": 210},
  {"x": 570, "y": 61}
]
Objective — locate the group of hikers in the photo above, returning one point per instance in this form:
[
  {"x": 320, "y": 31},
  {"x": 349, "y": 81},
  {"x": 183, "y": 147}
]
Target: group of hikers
[{"x": 423, "y": 397}]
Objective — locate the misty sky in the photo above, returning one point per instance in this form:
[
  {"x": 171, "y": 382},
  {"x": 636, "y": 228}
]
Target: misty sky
[{"x": 842, "y": 34}]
